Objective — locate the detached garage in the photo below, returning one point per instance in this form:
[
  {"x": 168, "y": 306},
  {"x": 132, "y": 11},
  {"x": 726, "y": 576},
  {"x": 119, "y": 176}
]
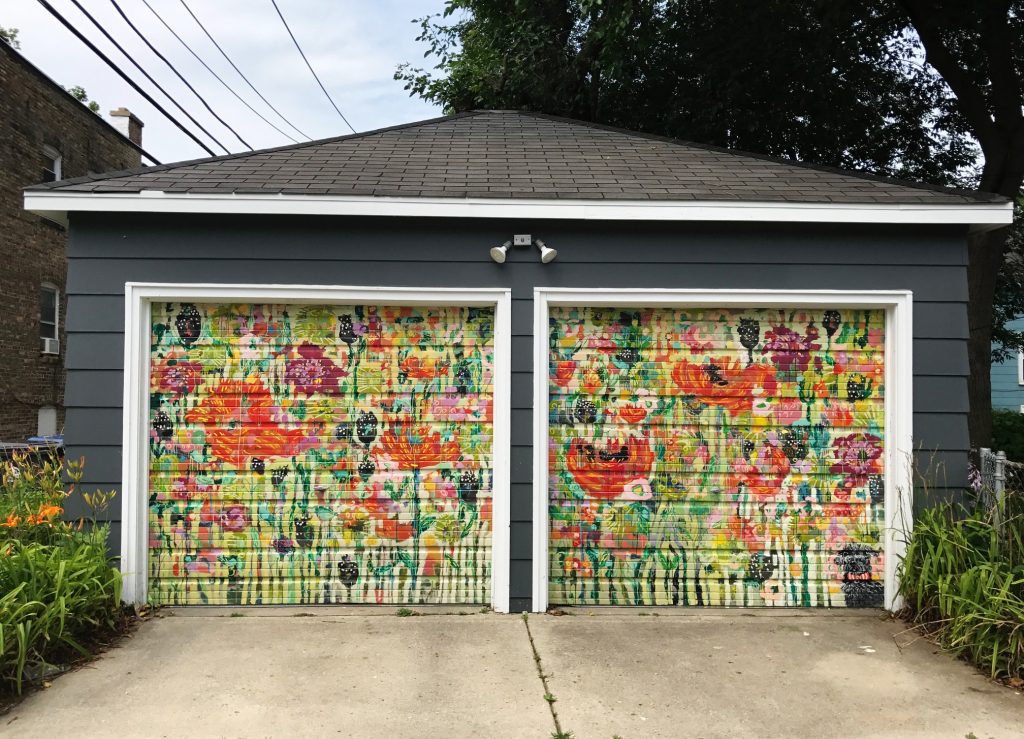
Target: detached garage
[{"x": 513, "y": 360}]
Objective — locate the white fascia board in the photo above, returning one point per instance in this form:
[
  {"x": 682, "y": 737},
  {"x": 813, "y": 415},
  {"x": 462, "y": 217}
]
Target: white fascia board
[{"x": 56, "y": 204}]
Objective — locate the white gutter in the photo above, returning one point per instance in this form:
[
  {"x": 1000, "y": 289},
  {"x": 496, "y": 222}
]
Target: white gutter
[{"x": 56, "y": 205}]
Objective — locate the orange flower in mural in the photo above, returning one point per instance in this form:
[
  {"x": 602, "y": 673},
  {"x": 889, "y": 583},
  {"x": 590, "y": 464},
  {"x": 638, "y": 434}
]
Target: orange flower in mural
[
  {"x": 604, "y": 472},
  {"x": 236, "y": 416},
  {"x": 563, "y": 372},
  {"x": 416, "y": 448},
  {"x": 726, "y": 383},
  {"x": 392, "y": 528},
  {"x": 632, "y": 413},
  {"x": 427, "y": 369}
]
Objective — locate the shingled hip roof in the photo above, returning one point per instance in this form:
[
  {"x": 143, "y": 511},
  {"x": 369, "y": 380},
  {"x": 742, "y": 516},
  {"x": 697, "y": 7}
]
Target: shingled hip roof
[{"x": 509, "y": 155}]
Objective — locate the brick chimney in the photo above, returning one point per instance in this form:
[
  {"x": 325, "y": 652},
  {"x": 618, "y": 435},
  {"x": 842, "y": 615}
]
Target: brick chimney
[{"x": 125, "y": 121}]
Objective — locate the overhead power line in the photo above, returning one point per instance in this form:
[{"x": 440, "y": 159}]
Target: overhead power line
[
  {"x": 149, "y": 98},
  {"x": 228, "y": 87},
  {"x": 303, "y": 54},
  {"x": 235, "y": 67},
  {"x": 146, "y": 74},
  {"x": 178, "y": 74}
]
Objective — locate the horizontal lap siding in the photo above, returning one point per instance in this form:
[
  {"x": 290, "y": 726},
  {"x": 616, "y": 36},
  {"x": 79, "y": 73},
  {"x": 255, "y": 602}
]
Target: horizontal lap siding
[{"x": 107, "y": 251}]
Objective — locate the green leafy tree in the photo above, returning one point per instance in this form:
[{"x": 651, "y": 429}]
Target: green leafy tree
[
  {"x": 10, "y": 37},
  {"x": 78, "y": 93},
  {"x": 928, "y": 90}
]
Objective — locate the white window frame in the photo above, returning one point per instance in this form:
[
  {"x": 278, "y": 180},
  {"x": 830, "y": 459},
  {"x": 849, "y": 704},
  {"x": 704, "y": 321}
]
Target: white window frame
[
  {"x": 58, "y": 161},
  {"x": 139, "y": 298},
  {"x": 56, "y": 316},
  {"x": 1020, "y": 367},
  {"x": 899, "y": 384}
]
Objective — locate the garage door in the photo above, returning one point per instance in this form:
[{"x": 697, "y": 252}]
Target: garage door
[
  {"x": 716, "y": 457},
  {"x": 320, "y": 454}
]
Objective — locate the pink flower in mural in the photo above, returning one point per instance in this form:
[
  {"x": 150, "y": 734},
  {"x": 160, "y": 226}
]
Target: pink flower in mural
[
  {"x": 234, "y": 518},
  {"x": 790, "y": 351},
  {"x": 857, "y": 457},
  {"x": 176, "y": 376},
  {"x": 312, "y": 372}
]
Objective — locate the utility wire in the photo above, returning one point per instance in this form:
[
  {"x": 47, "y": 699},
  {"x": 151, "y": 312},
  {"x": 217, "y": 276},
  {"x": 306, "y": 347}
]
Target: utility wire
[
  {"x": 148, "y": 76},
  {"x": 235, "y": 67},
  {"x": 149, "y": 98},
  {"x": 217, "y": 76},
  {"x": 178, "y": 74},
  {"x": 303, "y": 54}
]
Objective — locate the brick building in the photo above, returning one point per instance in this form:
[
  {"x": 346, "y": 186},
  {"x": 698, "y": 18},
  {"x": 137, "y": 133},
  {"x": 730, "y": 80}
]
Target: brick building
[{"x": 45, "y": 134}]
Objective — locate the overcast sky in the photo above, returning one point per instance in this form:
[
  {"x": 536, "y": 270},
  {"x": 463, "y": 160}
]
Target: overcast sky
[{"x": 354, "y": 46}]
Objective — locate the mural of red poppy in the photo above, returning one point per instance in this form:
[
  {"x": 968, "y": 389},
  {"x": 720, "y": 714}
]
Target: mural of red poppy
[
  {"x": 320, "y": 454},
  {"x": 716, "y": 457}
]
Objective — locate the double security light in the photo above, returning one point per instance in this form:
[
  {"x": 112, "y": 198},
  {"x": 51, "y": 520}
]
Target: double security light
[{"x": 499, "y": 253}]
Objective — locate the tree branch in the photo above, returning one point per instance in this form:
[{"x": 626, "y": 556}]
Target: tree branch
[
  {"x": 971, "y": 99},
  {"x": 997, "y": 41}
]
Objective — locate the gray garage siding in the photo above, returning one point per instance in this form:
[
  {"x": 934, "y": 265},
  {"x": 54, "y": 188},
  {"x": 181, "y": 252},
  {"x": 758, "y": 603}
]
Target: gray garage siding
[{"x": 108, "y": 250}]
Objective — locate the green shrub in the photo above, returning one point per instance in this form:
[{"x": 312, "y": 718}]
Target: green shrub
[
  {"x": 1008, "y": 434},
  {"x": 963, "y": 580}
]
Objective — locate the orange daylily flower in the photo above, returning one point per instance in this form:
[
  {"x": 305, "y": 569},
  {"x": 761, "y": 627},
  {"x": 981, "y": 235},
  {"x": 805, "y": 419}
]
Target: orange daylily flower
[
  {"x": 416, "y": 447},
  {"x": 238, "y": 424},
  {"x": 603, "y": 473},
  {"x": 49, "y": 511},
  {"x": 12, "y": 521}
]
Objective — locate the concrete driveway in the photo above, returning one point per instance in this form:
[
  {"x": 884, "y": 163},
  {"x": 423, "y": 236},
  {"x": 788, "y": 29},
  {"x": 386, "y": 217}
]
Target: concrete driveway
[{"x": 359, "y": 673}]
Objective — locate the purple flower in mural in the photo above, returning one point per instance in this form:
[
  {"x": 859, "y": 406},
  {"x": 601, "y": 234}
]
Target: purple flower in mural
[
  {"x": 791, "y": 352},
  {"x": 283, "y": 546},
  {"x": 312, "y": 372},
  {"x": 857, "y": 456}
]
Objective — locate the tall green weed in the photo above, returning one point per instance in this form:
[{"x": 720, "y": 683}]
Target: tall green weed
[{"x": 963, "y": 580}]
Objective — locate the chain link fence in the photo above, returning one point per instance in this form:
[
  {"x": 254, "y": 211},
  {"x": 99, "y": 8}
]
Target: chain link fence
[{"x": 999, "y": 484}]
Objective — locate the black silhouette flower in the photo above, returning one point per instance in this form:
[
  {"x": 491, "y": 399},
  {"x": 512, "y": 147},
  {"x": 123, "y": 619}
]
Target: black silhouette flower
[
  {"x": 189, "y": 324},
  {"x": 366, "y": 427}
]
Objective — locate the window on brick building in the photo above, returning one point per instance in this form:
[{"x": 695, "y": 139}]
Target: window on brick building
[
  {"x": 49, "y": 317},
  {"x": 51, "y": 164}
]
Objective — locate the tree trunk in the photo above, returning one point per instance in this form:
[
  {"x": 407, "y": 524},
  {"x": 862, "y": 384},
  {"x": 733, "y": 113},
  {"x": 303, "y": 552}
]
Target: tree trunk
[{"x": 985, "y": 254}]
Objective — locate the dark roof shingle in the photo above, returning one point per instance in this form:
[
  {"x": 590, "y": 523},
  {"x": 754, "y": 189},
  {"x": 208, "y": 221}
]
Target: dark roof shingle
[{"x": 511, "y": 154}]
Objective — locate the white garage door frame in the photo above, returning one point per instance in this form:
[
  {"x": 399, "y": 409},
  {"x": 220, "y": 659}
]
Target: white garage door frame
[
  {"x": 138, "y": 298},
  {"x": 899, "y": 383}
]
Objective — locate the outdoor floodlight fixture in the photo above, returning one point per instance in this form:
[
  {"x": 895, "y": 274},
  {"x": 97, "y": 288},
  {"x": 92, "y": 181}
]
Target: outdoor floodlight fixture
[
  {"x": 499, "y": 253},
  {"x": 547, "y": 254}
]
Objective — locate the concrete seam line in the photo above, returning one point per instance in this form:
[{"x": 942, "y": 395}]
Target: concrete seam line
[{"x": 549, "y": 697}]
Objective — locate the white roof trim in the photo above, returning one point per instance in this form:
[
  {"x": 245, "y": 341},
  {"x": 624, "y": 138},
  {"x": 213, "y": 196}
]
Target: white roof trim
[{"x": 57, "y": 204}]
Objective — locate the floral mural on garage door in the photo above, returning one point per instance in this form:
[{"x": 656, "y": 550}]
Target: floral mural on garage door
[
  {"x": 320, "y": 454},
  {"x": 716, "y": 457}
]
